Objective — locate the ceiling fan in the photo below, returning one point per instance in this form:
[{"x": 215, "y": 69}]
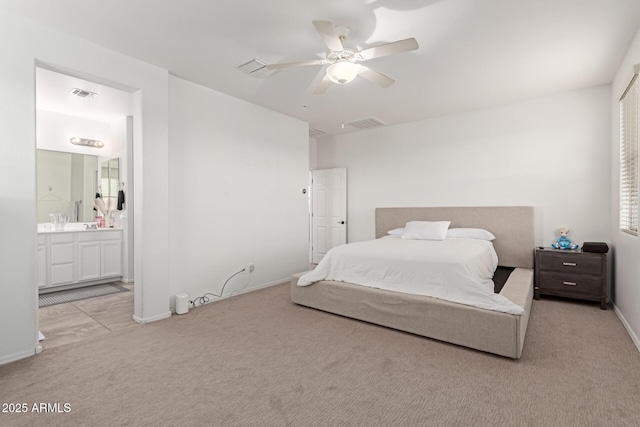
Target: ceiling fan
[{"x": 343, "y": 59}]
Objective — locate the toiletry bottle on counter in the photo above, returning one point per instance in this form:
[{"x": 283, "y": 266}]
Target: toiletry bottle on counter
[{"x": 99, "y": 221}]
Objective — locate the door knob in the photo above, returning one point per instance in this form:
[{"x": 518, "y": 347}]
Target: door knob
[{"x": 340, "y": 222}]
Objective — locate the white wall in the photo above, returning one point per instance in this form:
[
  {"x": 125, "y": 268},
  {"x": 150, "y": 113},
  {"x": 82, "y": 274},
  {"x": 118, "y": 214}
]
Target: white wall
[
  {"x": 313, "y": 151},
  {"x": 121, "y": 138},
  {"x": 23, "y": 43},
  {"x": 236, "y": 177},
  {"x": 551, "y": 153},
  {"x": 626, "y": 251}
]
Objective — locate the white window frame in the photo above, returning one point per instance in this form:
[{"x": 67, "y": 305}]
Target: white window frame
[{"x": 629, "y": 110}]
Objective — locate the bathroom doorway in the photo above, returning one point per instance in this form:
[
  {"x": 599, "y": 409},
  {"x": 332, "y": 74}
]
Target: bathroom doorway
[{"x": 85, "y": 214}]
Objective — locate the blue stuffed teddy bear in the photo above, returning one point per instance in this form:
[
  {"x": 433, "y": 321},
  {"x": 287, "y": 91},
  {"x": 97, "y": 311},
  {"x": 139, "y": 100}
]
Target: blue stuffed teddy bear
[{"x": 564, "y": 242}]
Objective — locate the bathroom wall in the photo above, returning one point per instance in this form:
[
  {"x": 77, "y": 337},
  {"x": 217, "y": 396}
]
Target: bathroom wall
[
  {"x": 121, "y": 137},
  {"x": 54, "y": 130},
  {"x": 53, "y": 133}
]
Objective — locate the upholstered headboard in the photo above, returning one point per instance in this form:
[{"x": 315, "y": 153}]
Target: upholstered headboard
[{"x": 512, "y": 226}]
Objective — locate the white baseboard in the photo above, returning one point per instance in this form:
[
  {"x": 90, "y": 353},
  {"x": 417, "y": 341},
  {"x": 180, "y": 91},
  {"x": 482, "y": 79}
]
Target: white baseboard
[
  {"x": 247, "y": 290},
  {"x": 20, "y": 355},
  {"x": 264, "y": 285},
  {"x": 153, "y": 318},
  {"x": 626, "y": 325},
  {"x": 77, "y": 285}
]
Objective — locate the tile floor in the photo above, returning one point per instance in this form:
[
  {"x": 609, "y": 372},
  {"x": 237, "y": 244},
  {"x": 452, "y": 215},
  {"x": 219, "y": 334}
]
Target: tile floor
[{"x": 74, "y": 321}]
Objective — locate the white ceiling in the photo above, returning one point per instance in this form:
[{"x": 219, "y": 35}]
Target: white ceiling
[{"x": 472, "y": 53}]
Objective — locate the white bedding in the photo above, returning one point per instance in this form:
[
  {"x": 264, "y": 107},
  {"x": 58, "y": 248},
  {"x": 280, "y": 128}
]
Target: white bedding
[{"x": 456, "y": 270}]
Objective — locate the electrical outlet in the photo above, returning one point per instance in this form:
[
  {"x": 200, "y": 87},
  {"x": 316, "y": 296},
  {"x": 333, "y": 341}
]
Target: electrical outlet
[{"x": 250, "y": 267}]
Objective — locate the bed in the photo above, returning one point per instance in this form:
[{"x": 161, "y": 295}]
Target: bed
[{"x": 498, "y": 332}]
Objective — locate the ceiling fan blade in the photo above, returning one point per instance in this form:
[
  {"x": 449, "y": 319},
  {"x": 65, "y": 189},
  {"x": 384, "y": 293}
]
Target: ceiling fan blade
[
  {"x": 322, "y": 86},
  {"x": 328, "y": 33},
  {"x": 295, "y": 64},
  {"x": 375, "y": 77},
  {"x": 400, "y": 46}
]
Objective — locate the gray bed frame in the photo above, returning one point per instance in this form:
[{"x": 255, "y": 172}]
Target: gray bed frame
[{"x": 490, "y": 331}]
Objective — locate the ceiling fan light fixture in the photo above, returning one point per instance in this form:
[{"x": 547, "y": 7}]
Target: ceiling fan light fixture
[{"x": 342, "y": 72}]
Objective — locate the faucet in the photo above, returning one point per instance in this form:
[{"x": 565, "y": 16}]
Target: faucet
[{"x": 91, "y": 227}]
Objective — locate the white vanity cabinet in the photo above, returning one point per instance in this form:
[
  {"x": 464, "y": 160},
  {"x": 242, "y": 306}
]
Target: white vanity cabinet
[
  {"x": 99, "y": 255},
  {"x": 111, "y": 258},
  {"x": 88, "y": 260},
  {"x": 79, "y": 257},
  {"x": 61, "y": 259}
]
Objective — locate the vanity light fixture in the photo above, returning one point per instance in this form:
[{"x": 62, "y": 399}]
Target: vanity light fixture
[{"x": 86, "y": 142}]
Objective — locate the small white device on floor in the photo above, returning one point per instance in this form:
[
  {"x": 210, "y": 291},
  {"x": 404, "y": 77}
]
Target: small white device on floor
[{"x": 182, "y": 303}]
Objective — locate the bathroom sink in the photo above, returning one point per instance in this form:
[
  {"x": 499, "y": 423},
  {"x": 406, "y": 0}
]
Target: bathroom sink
[
  {"x": 77, "y": 226},
  {"x": 70, "y": 226}
]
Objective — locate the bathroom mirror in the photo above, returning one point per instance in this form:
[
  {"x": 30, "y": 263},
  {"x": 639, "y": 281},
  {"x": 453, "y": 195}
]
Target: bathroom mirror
[
  {"x": 110, "y": 181},
  {"x": 68, "y": 183}
]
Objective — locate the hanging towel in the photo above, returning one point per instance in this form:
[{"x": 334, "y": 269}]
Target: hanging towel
[
  {"x": 120, "y": 199},
  {"x": 102, "y": 208}
]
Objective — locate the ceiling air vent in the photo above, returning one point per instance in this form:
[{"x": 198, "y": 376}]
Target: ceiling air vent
[
  {"x": 371, "y": 122},
  {"x": 82, "y": 93},
  {"x": 313, "y": 132},
  {"x": 255, "y": 68}
]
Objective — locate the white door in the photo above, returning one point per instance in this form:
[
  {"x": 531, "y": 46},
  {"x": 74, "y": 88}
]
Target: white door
[{"x": 329, "y": 211}]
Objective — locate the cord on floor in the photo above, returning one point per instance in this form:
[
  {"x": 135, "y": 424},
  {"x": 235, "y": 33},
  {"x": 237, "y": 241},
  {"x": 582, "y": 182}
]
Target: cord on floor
[{"x": 205, "y": 298}]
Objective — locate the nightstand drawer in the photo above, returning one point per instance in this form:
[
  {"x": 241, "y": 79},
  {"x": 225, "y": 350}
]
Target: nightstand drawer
[
  {"x": 571, "y": 262},
  {"x": 577, "y": 283}
]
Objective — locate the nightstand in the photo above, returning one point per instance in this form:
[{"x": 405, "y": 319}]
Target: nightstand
[{"x": 573, "y": 274}]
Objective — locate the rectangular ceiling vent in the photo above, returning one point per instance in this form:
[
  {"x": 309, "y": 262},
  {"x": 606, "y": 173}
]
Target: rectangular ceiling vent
[
  {"x": 371, "y": 122},
  {"x": 82, "y": 93},
  {"x": 255, "y": 68},
  {"x": 313, "y": 132}
]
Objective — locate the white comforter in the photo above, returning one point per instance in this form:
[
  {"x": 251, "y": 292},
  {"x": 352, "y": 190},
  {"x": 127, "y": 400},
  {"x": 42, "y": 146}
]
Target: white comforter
[{"x": 456, "y": 270}]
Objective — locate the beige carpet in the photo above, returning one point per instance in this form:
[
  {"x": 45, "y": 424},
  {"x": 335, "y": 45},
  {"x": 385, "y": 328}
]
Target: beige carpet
[{"x": 257, "y": 359}]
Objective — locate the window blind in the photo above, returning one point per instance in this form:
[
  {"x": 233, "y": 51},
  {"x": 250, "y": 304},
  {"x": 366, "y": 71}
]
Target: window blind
[{"x": 629, "y": 158}]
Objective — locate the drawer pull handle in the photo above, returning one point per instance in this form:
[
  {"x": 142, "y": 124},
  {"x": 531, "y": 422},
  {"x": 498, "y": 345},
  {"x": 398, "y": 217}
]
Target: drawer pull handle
[
  {"x": 570, "y": 283},
  {"x": 569, "y": 264}
]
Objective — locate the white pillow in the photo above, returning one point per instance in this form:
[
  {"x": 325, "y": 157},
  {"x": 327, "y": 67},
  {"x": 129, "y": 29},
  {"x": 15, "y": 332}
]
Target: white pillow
[
  {"x": 470, "y": 233},
  {"x": 426, "y": 230},
  {"x": 396, "y": 232}
]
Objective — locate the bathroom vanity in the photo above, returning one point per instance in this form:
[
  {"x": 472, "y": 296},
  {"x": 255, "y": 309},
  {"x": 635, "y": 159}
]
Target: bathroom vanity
[{"x": 76, "y": 256}]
